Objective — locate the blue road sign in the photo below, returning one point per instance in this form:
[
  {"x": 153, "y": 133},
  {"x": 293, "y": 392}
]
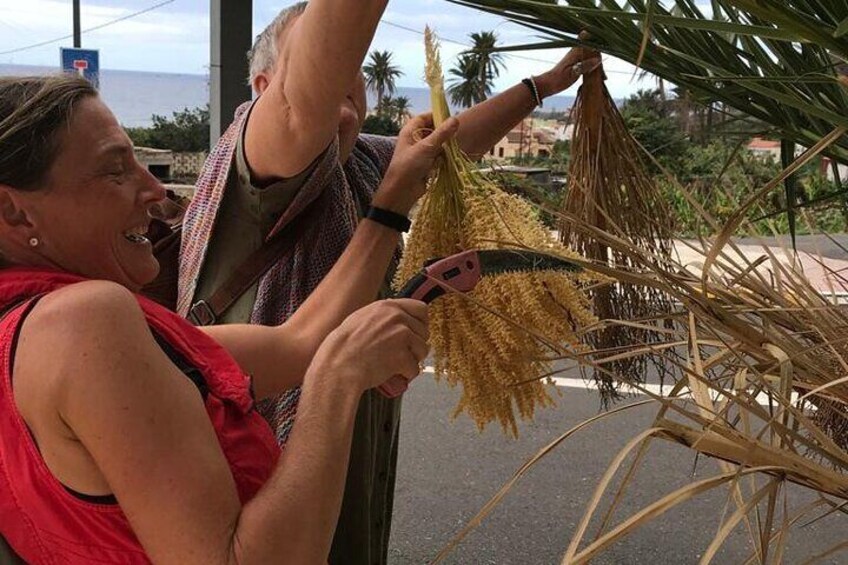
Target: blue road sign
[{"x": 85, "y": 62}]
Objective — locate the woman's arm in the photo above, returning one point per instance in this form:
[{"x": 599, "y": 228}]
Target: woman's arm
[
  {"x": 145, "y": 426},
  {"x": 277, "y": 357}
]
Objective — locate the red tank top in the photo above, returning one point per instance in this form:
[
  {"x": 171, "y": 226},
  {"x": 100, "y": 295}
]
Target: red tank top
[{"x": 41, "y": 519}]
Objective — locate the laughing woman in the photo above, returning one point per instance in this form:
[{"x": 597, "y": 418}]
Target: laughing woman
[{"x": 128, "y": 435}]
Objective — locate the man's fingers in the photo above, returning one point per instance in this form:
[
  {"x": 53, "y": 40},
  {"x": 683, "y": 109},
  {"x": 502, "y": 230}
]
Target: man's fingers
[
  {"x": 585, "y": 67},
  {"x": 417, "y": 124},
  {"x": 433, "y": 143},
  {"x": 578, "y": 54}
]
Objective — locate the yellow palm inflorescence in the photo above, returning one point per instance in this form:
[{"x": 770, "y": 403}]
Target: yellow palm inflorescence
[{"x": 498, "y": 359}]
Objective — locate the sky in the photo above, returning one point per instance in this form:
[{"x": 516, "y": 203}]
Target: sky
[{"x": 174, "y": 37}]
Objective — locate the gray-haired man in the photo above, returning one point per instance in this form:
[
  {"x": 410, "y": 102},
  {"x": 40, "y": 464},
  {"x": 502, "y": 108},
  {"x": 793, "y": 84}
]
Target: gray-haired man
[{"x": 299, "y": 143}]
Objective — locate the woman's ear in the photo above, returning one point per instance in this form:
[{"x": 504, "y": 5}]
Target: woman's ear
[{"x": 14, "y": 218}]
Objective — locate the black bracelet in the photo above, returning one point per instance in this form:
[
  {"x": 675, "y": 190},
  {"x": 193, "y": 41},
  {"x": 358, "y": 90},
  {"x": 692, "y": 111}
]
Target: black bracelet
[
  {"x": 534, "y": 90},
  {"x": 397, "y": 222}
]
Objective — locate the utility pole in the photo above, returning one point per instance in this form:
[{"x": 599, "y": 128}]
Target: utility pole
[
  {"x": 231, "y": 37},
  {"x": 77, "y": 27}
]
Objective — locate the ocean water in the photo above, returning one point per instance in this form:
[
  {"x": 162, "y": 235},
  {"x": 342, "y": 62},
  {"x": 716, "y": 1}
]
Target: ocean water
[{"x": 135, "y": 96}]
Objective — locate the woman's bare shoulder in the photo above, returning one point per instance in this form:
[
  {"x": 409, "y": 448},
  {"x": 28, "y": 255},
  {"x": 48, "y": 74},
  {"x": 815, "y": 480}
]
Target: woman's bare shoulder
[
  {"x": 84, "y": 306},
  {"x": 86, "y": 325}
]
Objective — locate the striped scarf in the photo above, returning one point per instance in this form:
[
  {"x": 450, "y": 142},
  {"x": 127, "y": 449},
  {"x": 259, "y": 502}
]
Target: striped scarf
[{"x": 344, "y": 191}]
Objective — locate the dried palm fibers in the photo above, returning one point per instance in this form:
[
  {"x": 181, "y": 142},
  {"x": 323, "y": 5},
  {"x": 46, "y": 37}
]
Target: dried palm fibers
[
  {"x": 609, "y": 188},
  {"x": 498, "y": 364}
]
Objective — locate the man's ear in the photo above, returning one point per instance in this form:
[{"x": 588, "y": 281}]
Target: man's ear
[{"x": 260, "y": 83}]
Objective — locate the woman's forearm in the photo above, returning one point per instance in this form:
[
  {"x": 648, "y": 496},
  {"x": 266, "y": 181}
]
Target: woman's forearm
[{"x": 296, "y": 512}]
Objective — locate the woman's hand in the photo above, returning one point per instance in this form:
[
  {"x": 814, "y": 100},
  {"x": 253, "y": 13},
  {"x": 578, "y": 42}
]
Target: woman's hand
[
  {"x": 375, "y": 343},
  {"x": 417, "y": 148},
  {"x": 576, "y": 63}
]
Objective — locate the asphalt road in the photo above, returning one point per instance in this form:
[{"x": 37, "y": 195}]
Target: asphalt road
[{"x": 448, "y": 471}]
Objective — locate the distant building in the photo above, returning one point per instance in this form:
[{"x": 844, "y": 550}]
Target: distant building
[
  {"x": 527, "y": 139},
  {"x": 827, "y": 170},
  {"x": 765, "y": 148},
  {"x": 158, "y": 161},
  {"x": 168, "y": 166}
]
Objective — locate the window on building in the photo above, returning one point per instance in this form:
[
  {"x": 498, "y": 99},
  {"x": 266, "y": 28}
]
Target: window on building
[
  {"x": 161, "y": 172},
  {"x": 500, "y": 152}
]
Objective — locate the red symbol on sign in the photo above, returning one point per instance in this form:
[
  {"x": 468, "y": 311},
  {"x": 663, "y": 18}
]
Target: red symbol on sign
[{"x": 81, "y": 66}]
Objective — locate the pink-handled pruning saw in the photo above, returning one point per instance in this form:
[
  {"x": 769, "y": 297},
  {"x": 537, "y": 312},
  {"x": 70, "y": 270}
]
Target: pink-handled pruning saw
[{"x": 461, "y": 273}]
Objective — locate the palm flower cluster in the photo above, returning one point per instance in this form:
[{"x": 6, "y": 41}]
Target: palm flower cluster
[{"x": 498, "y": 341}]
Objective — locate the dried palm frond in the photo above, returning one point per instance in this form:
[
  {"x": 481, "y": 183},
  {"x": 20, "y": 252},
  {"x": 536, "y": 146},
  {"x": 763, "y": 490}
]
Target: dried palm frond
[
  {"x": 477, "y": 342},
  {"x": 610, "y": 188},
  {"x": 761, "y": 388}
]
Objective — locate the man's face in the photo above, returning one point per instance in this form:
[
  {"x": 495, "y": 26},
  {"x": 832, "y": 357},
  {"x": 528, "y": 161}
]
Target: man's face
[
  {"x": 351, "y": 117},
  {"x": 352, "y": 109}
]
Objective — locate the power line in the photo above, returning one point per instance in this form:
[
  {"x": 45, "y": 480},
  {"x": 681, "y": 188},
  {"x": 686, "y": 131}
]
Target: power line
[
  {"x": 464, "y": 44},
  {"x": 88, "y": 30}
]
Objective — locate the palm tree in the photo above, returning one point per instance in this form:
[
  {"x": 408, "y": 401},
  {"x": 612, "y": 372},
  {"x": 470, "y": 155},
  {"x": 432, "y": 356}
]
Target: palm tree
[
  {"x": 489, "y": 63},
  {"x": 380, "y": 75},
  {"x": 643, "y": 74},
  {"x": 476, "y": 70},
  {"x": 462, "y": 83},
  {"x": 400, "y": 108}
]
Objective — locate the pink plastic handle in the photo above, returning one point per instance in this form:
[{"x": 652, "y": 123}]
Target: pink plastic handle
[{"x": 461, "y": 272}]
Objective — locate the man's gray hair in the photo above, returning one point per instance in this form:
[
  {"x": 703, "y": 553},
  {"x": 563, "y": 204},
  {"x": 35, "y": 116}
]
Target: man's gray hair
[{"x": 263, "y": 55}]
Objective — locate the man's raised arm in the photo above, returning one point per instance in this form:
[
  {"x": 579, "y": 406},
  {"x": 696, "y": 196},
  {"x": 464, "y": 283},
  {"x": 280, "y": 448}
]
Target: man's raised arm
[{"x": 297, "y": 116}]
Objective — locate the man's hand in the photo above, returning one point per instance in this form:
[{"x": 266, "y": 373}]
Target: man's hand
[
  {"x": 417, "y": 148},
  {"x": 576, "y": 63}
]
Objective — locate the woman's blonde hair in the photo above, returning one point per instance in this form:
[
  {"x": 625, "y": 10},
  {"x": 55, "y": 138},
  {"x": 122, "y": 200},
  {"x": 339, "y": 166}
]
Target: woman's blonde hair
[{"x": 33, "y": 111}]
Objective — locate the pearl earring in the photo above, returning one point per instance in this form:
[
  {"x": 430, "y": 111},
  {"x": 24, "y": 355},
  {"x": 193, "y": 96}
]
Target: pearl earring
[{"x": 33, "y": 242}]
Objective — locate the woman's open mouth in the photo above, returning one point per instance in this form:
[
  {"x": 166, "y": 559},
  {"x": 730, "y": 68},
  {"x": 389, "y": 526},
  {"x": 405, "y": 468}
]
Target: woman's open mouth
[{"x": 136, "y": 235}]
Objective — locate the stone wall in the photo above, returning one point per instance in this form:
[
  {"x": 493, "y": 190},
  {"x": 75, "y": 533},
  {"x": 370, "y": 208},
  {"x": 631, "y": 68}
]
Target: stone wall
[{"x": 187, "y": 165}]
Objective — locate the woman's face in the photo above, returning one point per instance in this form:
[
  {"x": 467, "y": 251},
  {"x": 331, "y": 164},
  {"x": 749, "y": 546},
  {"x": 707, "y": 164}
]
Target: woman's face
[{"x": 91, "y": 215}]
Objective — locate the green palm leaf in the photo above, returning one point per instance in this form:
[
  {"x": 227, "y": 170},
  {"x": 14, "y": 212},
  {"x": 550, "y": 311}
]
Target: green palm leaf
[{"x": 770, "y": 59}]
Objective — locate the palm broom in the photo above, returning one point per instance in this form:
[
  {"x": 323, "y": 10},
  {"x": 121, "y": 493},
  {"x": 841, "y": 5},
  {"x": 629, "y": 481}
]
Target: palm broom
[{"x": 498, "y": 359}]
